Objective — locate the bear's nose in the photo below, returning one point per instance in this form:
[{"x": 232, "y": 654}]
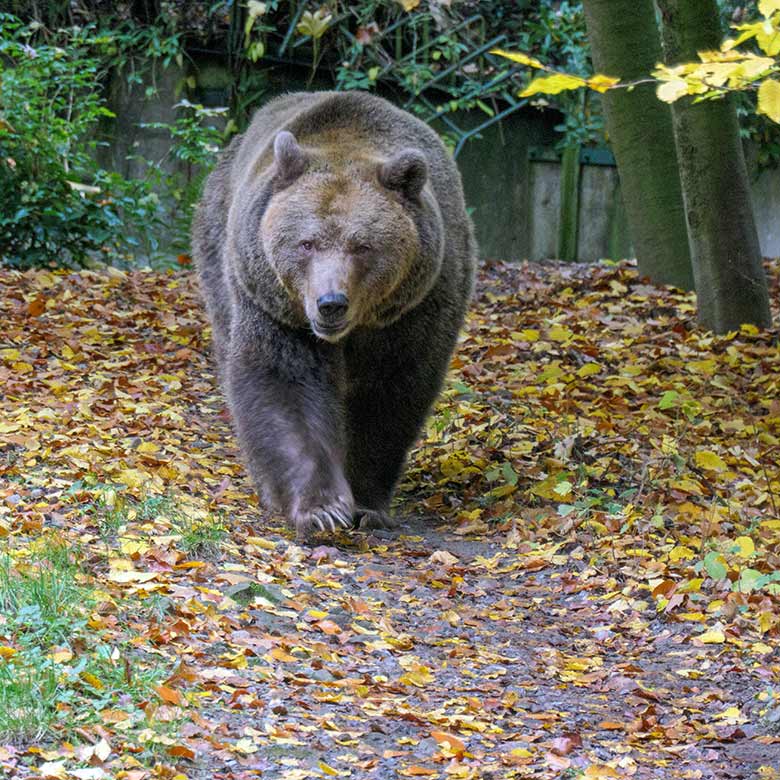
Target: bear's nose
[{"x": 332, "y": 306}]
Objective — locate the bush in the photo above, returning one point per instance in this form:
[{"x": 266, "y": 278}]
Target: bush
[{"x": 58, "y": 206}]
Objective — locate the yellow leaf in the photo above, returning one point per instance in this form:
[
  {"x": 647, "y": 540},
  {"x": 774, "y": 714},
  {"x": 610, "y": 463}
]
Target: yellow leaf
[
  {"x": 130, "y": 546},
  {"x": 7, "y": 652},
  {"x": 560, "y": 333},
  {"x": 687, "y": 486},
  {"x": 529, "y": 334},
  {"x": 745, "y": 545},
  {"x": 92, "y": 681},
  {"x": 769, "y": 99},
  {"x": 601, "y": 83},
  {"x": 22, "y": 368},
  {"x": 589, "y": 369},
  {"x": 712, "y": 637},
  {"x": 672, "y": 90},
  {"x": 60, "y": 656},
  {"x": 244, "y": 746},
  {"x": 408, "y": 5},
  {"x": 768, "y": 39},
  {"x": 681, "y": 553},
  {"x": 705, "y": 459},
  {"x": 552, "y": 85},
  {"x": 133, "y": 478},
  {"x": 518, "y": 56},
  {"x": 148, "y": 447},
  {"x": 600, "y": 772},
  {"x": 731, "y": 715},
  {"x": 44, "y": 279},
  {"x": 768, "y": 7},
  {"x": 706, "y": 367},
  {"x": 258, "y": 541},
  {"x": 328, "y": 770}
]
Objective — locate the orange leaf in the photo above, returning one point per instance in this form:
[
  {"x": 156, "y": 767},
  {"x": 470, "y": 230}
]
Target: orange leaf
[
  {"x": 181, "y": 751},
  {"x": 37, "y": 306},
  {"x": 442, "y": 737},
  {"x": 328, "y": 627},
  {"x": 168, "y": 694}
]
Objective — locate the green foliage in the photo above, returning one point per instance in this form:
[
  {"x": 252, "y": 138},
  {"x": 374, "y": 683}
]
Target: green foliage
[{"x": 58, "y": 206}]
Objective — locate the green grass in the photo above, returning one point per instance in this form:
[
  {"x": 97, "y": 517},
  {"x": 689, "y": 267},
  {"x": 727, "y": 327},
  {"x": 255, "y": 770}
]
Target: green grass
[
  {"x": 202, "y": 537},
  {"x": 28, "y": 696},
  {"x": 45, "y": 605},
  {"x": 40, "y": 599},
  {"x": 199, "y": 536}
]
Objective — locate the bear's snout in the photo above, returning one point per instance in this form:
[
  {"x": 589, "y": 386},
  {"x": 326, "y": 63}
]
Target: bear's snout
[
  {"x": 332, "y": 307},
  {"x": 331, "y": 320}
]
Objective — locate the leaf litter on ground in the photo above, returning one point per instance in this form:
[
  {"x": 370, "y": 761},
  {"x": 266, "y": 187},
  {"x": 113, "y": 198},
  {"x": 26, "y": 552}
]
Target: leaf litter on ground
[{"x": 586, "y": 586}]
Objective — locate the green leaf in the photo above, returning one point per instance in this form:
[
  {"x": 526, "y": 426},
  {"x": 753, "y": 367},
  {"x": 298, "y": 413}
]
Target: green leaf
[
  {"x": 750, "y": 580},
  {"x": 669, "y": 400},
  {"x": 715, "y": 565},
  {"x": 509, "y": 473}
]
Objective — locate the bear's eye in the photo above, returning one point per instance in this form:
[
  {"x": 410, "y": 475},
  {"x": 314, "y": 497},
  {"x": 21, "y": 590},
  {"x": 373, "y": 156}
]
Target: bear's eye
[
  {"x": 307, "y": 246},
  {"x": 362, "y": 249}
]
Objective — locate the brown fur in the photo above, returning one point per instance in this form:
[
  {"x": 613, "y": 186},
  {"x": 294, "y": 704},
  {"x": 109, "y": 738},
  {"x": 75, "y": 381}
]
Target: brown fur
[{"x": 333, "y": 194}]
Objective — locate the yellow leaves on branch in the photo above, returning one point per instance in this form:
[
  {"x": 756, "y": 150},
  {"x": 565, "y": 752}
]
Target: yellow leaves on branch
[
  {"x": 715, "y": 74},
  {"x": 560, "y": 82},
  {"x": 556, "y": 82}
]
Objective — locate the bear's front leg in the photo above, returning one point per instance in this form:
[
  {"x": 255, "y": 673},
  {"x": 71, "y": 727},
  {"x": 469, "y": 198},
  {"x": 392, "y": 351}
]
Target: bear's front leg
[{"x": 283, "y": 391}]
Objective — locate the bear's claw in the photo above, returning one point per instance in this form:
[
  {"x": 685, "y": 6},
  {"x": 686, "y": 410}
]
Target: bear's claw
[
  {"x": 367, "y": 519},
  {"x": 324, "y": 518}
]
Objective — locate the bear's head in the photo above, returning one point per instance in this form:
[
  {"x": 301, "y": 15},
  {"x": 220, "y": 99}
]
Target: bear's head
[{"x": 353, "y": 240}]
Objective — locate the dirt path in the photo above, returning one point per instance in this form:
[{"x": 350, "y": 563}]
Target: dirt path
[{"x": 536, "y": 669}]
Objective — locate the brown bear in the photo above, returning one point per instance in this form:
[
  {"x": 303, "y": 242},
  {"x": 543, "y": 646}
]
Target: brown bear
[{"x": 337, "y": 260}]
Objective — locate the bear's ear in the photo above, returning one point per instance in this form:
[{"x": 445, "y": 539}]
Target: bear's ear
[
  {"x": 407, "y": 171},
  {"x": 291, "y": 161}
]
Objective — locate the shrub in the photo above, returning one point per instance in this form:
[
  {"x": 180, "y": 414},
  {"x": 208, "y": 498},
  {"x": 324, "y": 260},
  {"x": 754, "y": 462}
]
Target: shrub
[{"x": 58, "y": 206}]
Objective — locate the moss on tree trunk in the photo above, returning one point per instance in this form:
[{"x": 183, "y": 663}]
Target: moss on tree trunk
[
  {"x": 725, "y": 252},
  {"x": 625, "y": 42}
]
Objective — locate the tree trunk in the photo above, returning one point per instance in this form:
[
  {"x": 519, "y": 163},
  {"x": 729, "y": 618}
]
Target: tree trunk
[
  {"x": 625, "y": 42},
  {"x": 730, "y": 281}
]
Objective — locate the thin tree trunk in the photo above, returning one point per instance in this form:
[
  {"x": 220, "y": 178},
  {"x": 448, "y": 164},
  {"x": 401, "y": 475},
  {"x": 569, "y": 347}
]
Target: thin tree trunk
[
  {"x": 730, "y": 281},
  {"x": 625, "y": 42}
]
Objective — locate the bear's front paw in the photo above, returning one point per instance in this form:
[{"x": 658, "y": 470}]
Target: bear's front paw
[
  {"x": 324, "y": 516},
  {"x": 368, "y": 519}
]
